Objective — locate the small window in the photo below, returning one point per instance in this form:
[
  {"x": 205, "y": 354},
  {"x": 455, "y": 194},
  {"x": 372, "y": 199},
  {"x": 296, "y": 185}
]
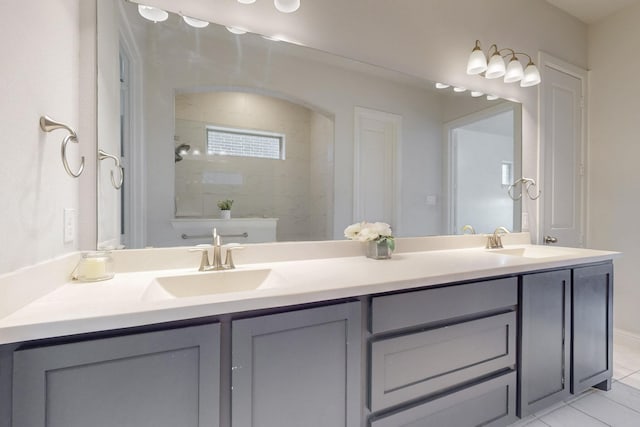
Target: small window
[{"x": 244, "y": 143}]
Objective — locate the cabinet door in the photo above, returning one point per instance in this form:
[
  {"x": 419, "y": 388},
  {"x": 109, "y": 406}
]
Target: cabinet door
[
  {"x": 545, "y": 316},
  {"x": 300, "y": 368},
  {"x": 592, "y": 325},
  {"x": 166, "y": 378}
]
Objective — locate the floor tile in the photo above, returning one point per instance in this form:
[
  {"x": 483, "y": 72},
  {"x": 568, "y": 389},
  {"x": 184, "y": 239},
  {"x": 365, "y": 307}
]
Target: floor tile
[
  {"x": 607, "y": 411},
  {"x": 624, "y": 394},
  {"x": 620, "y": 371},
  {"x": 545, "y": 411},
  {"x": 632, "y": 380},
  {"x": 569, "y": 416},
  {"x": 537, "y": 423},
  {"x": 524, "y": 422}
]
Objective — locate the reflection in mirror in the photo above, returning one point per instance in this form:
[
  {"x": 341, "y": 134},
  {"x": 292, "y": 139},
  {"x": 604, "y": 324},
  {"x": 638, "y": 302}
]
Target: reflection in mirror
[{"x": 304, "y": 142}]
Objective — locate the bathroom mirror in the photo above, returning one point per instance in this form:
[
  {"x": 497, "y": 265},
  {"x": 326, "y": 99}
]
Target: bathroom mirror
[{"x": 314, "y": 141}]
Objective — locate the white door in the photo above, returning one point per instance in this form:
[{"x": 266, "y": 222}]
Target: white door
[
  {"x": 562, "y": 134},
  {"x": 377, "y": 135}
]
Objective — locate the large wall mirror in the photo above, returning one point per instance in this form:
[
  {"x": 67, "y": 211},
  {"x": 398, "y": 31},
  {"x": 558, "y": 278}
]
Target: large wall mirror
[{"x": 304, "y": 142}]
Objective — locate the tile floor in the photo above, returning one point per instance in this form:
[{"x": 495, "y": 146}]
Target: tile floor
[{"x": 619, "y": 407}]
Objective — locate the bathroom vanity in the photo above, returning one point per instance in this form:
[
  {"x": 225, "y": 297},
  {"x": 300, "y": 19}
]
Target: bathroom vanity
[{"x": 461, "y": 336}]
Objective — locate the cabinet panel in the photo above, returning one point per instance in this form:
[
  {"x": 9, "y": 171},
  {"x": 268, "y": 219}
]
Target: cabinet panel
[
  {"x": 545, "y": 318},
  {"x": 490, "y": 404},
  {"x": 410, "y": 309},
  {"x": 592, "y": 327},
  {"x": 165, "y": 378},
  {"x": 408, "y": 367},
  {"x": 299, "y": 368}
]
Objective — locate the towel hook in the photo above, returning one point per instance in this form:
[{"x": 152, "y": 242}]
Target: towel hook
[
  {"x": 104, "y": 155},
  {"x": 47, "y": 124},
  {"x": 526, "y": 184}
]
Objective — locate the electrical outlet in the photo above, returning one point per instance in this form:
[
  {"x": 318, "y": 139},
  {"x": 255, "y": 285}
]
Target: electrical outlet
[{"x": 69, "y": 225}]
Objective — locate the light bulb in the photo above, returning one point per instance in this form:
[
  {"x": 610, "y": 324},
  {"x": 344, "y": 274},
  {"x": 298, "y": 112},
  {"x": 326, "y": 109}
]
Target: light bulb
[
  {"x": 477, "y": 61},
  {"x": 459, "y": 89},
  {"x": 496, "y": 67},
  {"x": 236, "y": 30},
  {"x": 441, "y": 86},
  {"x": 246, "y": 1},
  {"x": 514, "y": 71},
  {"x": 152, "y": 13},
  {"x": 195, "y": 23},
  {"x": 287, "y": 6},
  {"x": 531, "y": 76},
  {"x": 492, "y": 97},
  {"x": 475, "y": 93}
]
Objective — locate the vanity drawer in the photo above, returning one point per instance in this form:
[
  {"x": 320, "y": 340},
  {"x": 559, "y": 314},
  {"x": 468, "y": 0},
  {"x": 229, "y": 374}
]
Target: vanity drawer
[
  {"x": 409, "y": 309},
  {"x": 411, "y": 366},
  {"x": 491, "y": 404}
]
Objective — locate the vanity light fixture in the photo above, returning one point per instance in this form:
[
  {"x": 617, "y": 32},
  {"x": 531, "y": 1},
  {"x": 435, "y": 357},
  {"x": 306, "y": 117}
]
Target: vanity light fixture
[
  {"x": 459, "y": 89},
  {"x": 287, "y": 6},
  {"x": 476, "y": 94},
  {"x": 442, "y": 86},
  {"x": 195, "y": 23},
  {"x": 492, "y": 97},
  {"x": 496, "y": 67},
  {"x": 152, "y": 13},
  {"x": 284, "y": 6},
  {"x": 236, "y": 30}
]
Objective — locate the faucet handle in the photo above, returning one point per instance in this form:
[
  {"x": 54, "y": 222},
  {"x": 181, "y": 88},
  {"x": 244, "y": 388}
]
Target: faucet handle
[
  {"x": 204, "y": 259},
  {"x": 228, "y": 258}
]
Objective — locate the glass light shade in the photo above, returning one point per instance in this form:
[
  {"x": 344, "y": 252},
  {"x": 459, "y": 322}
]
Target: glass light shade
[
  {"x": 477, "y": 62},
  {"x": 152, "y": 13},
  {"x": 514, "y": 71},
  {"x": 287, "y": 6},
  {"x": 236, "y": 30},
  {"x": 492, "y": 97},
  {"x": 195, "y": 23},
  {"x": 531, "y": 76},
  {"x": 496, "y": 67},
  {"x": 475, "y": 93},
  {"x": 246, "y": 1},
  {"x": 441, "y": 86},
  {"x": 459, "y": 89}
]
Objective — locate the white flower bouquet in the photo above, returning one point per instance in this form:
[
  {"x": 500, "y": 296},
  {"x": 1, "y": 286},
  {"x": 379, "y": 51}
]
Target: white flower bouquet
[{"x": 378, "y": 232}]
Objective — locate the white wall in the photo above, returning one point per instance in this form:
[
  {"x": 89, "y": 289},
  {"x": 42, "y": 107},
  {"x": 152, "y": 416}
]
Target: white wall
[
  {"x": 614, "y": 151},
  {"x": 40, "y": 74}
]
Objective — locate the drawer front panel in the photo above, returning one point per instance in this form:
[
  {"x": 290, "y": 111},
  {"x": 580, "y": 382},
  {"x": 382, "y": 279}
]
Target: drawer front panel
[
  {"x": 391, "y": 312},
  {"x": 416, "y": 365},
  {"x": 490, "y": 403}
]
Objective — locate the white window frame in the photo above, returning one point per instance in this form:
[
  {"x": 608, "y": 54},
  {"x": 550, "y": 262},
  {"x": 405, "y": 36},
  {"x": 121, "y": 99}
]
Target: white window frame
[{"x": 248, "y": 132}]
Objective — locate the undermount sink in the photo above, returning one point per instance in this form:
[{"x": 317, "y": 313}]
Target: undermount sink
[
  {"x": 206, "y": 283},
  {"x": 532, "y": 252}
]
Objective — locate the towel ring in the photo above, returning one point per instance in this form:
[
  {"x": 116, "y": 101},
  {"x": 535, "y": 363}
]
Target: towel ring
[
  {"x": 526, "y": 184},
  {"x": 47, "y": 124},
  {"x": 104, "y": 155}
]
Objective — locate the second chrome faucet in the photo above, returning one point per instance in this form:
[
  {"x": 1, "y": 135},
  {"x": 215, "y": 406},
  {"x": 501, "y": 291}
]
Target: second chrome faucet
[{"x": 216, "y": 264}]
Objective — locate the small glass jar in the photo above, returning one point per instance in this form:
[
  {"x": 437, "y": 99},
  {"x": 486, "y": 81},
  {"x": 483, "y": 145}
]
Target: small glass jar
[
  {"x": 378, "y": 249},
  {"x": 93, "y": 267}
]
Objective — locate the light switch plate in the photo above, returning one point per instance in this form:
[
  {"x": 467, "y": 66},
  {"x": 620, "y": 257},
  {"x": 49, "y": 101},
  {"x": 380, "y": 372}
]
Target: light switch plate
[{"x": 69, "y": 225}]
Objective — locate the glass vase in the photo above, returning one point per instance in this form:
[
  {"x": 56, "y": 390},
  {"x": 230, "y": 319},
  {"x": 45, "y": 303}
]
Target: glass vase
[{"x": 378, "y": 249}]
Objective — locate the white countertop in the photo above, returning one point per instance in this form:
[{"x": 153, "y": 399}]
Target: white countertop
[{"x": 124, "y": 301}]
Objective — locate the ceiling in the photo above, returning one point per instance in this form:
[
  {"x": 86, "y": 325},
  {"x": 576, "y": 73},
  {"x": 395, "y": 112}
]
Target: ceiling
[{"x": 591, "y": 11}]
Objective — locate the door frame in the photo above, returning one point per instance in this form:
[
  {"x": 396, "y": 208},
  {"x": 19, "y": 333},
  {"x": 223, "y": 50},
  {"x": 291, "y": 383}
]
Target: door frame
[
  {"x": 449, "y": 164},
  {"x": 548, "y": 60}
]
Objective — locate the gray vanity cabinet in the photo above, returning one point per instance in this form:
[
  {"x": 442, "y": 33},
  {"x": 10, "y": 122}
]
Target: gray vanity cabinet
[
  {"x": 545, "y": 312},
  {"x": 592, "y": 327},
  {"x": 167, "y": 378},
  {"x": 444, "y": 356},
  {"x": 299, "y": 368}
]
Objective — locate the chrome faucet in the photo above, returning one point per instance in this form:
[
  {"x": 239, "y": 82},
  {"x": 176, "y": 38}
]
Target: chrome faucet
[
  {"x": 216, "y": 263},
  {"x": 494, "y": 241}
]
